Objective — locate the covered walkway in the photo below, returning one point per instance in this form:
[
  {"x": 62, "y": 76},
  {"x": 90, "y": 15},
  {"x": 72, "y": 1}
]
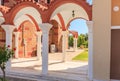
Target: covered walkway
[{"x": 57, "y": 69}]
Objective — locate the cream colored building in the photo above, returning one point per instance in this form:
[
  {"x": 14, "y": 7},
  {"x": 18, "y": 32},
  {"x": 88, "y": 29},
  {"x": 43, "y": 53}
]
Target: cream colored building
[
  {"x": 103, "y": 24},
  {"x": 106, "y": 54}
]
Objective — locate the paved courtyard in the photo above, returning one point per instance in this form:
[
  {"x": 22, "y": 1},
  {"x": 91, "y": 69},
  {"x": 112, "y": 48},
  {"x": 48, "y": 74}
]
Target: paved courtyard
[{"x": 74, "y": 70}]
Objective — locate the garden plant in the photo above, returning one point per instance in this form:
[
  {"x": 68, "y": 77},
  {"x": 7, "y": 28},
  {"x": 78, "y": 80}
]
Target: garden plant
[{"x": 5, "y": 54}]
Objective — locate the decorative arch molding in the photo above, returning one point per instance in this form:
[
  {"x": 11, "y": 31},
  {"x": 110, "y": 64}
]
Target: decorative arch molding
[
  {"x": 2, "y": 19},
  {"x": 18, "y": 29},
  {"x": 30, "y": 11},
  {"x": 54, "y": 22},
  {"x": 24, "y": 18},
  {"x": 25, "y": 8},
  {"x": 73, "y": 20},
  {"x": 61, "y": 21},
  {"x": 74, "y": 33},
  {"x": 57, "y": 20},
  {"x": 36, "y": 24},
  {"x": 21, "y": 19},
  {"x": 81, "y": 3}
]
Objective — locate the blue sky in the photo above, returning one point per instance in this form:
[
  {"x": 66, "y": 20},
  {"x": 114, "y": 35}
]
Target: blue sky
[
  {"x": 89, "y": 1},
  {"x": 79, "y": 25}
]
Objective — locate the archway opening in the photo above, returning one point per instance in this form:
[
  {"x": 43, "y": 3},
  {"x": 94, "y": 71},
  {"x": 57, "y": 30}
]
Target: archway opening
[
  {"x": 62, "y": 21},
  {"x": 71, "y": 66},
  {"x": 65, "y": 18},
  {"x": 79, "y": 38}
]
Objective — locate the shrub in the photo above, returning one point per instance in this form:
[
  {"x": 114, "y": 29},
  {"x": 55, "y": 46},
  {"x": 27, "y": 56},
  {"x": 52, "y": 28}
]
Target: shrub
[{"x": 5, "y": 54}]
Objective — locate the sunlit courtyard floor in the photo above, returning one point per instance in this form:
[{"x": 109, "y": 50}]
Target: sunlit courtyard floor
[{"x": 75, "y": 70}]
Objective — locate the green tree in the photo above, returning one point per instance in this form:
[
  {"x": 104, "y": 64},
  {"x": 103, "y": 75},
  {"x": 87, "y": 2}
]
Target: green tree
[
  {"x": 70, "y": 41},
  {"x": 5, "y": 55},
  {"x": 86, "y": 37},
  {"x": 83, "y": 40}
]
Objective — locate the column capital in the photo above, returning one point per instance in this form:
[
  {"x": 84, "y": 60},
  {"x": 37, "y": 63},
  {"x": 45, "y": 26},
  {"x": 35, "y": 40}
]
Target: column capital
[
  {"x": 64, "y": 32},
  {"x": 8, "y": 28},
  {"x": 38, "y": 33},
  {"x": 45, "y": 27},
  {"x": 90, "y": 26},
  {"x": 16, "y": 33},
  {"x": 89, "y": 22}
]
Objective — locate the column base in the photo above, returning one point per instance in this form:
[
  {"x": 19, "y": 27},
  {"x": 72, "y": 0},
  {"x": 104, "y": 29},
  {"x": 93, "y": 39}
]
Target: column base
[{"x": 101, "y": 80}]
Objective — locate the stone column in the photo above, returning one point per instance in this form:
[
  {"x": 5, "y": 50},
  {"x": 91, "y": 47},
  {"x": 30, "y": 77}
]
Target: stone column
[
  {"x": 38, "y": 44},
  {"x": 90, "y": 49},
  {"x": 45, "y": 33},
  {"x": 75, "y": 43},
  {"x": 16, "y": 44},
  {"x": 64, "y": 33},
  {"x": 9, "y": 30}
]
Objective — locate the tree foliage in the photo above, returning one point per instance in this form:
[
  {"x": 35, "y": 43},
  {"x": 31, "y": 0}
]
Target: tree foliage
[
  {"x": 5, "y": 55},
  {"x": 70, "y": 40},
  {"x": 82, "y": 40}
]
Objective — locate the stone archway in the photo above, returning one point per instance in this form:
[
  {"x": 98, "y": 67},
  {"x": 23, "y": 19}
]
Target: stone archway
[
  {"x": 68, "y": 8},
  {"x": 29, "y": 11},
  {"x": 66, "y": 16},
  {"x": 27, "y": 40},
  {"x": 27, "y": 26},
  {"x": 54, "y": 35},
  {"x": 82, "y": 3},
  {"x": 68, "y": 1}
]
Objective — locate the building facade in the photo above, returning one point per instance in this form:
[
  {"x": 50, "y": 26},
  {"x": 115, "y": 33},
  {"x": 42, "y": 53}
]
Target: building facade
[
  {"x": 19, "y": 19},
  {"x": 26, "y": 21}
]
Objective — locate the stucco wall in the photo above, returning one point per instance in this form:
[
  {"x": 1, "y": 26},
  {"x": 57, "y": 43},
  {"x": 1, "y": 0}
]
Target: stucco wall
[
  {"x": 115, "y": 15},
  {"x": 101, "y": 40}
]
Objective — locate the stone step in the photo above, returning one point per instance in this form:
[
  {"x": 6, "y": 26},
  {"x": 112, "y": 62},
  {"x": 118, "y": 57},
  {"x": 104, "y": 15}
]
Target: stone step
[{"x": 36, "y": 77}]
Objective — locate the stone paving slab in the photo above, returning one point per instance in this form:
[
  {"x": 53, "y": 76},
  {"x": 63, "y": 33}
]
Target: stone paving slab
[
  {"x": 17, "y": 76},
  {"x": 58, "y": 71}
]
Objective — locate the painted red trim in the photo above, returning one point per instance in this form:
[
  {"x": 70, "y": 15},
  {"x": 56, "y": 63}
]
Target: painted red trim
[
  {"x": 21, "y": 25},
  {"x": 74, "y": 33},
  {"x": 81, "y": 3},
  {"x": 45, "y": 15},
  {"x": 14, "y": 10},
  {"x": 36, "y": 25},
  {"x": 61, "y": 21}
]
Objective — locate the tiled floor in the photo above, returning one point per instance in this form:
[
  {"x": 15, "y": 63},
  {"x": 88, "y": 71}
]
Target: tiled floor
[{"x": 67, "y": 70}]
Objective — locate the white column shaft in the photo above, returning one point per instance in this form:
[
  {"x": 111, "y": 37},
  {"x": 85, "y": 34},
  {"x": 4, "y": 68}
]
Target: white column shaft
[
  {"x": 16, "y": 44},
  {"x": 63, "y": 47},
  {"x": 8, "y": 29},
  {"x": 74, "y": 44},
  {"x": 90, "y": 49},
  {"x": 38, "y": 44},
  {"x": 45, "y": 32},
  {"x": 45, "y": 54},
  {"x": 8, "y": 42},
  {"x": 64, "y": 33}
]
